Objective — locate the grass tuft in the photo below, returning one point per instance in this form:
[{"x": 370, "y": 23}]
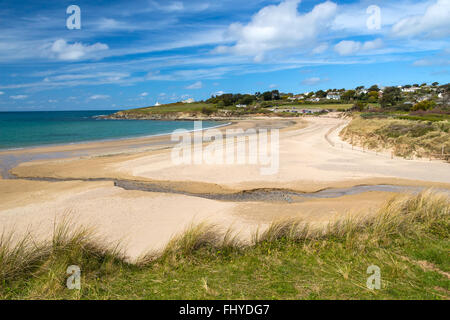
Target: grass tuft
[{"x": 408, "y": 238}]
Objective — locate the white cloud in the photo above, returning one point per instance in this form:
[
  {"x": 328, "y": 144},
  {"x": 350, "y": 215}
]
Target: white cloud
[
  {"x": 170, "y": 7},
  {"x": 108, "y": 24},
  {"x": 435, "y": 22},
  {"x": 144, "y": 94},
  {"x": 218, "y": 93},
  {"x": 440, "y": 59},
  {"x": 65, "y": 51},
  {"x": 1, "y": 92},
  {"x": 174, "y": 6},
  {"x": 321, "y": 48},
  {"x": 313, "y": 81},
  {"x": 99, "y": 97},
  {"x": 272, "y": 86},
  {"x": 279, "y": 26},
  {"x": 196, "y": 85},
  {"x": 372, "y": 45},
  {"x": 19, "y": 97},
  {"x": 346, "y": 47},
  {"x": 110, "y": 76}
]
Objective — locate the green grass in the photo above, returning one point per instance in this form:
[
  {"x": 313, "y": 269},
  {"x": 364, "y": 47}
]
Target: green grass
[
  {"x": 428, "y": 117},
  {"x": 207, "y": 108},
  {"x": 339, "y": 107},
  {"x": 171, "y": 108},
  {"x": 405, "y": 116},
  {"x": 408, "y": 239},
  {"x": 405, "y": 137},
  {"x": 299, "y": 106}
]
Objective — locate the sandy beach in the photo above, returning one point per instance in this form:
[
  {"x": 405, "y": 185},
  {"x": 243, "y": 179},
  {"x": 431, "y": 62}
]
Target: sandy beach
[{"x": 80, "y": 180}]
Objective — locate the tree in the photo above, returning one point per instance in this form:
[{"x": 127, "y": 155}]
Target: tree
[
  {"x": 275, "y": 95},
  {"x": 321, "y": 94},
  {"x": 360, "y": 106},
  {"x": 246, "y": 99},
  {"x": 391, "y": 96},
  {"x": 435, "y": 84},
  {"x": 372, "y": 96},
  {"x": 424, "y": 105},
  {"x": 374, "y": 88},
  {"x": 228, "y": 99},
  {"x": 267, "y": 96},
  {"x": 348, "y": 95}
]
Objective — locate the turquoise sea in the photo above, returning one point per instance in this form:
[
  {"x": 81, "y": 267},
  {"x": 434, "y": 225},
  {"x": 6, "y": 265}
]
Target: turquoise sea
[{"x": 27, "y": 129}]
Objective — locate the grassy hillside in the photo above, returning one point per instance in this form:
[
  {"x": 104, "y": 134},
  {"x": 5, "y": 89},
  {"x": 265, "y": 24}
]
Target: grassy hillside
[
  {"x": 405, "y": 137},
  {"x": 210, "y": 109},
  {"x": 170, "y": 108},
  {"x": 408, "y": 240},
  {"x": 329, "y": 106}
]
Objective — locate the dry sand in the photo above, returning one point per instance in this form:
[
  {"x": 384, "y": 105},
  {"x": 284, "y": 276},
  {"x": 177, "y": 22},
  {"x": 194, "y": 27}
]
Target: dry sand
[{"x": 312, "y": 158}]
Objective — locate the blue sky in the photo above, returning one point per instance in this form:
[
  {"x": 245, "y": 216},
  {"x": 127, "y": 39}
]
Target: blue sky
[{"x": 135, "y": 53}]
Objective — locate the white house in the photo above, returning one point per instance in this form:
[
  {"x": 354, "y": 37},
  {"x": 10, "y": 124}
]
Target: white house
[
  {"x": 333, "y": 96},
  {"x": 296, "y": 97},
  {"x": 241, "y": 106},
  {"x": 190, "y": 100},
  {"x": 157, "y": 104},
  {"x": 412, "y": 89},
  {"x": 314, "y": 99},
  {"x": 423, "y": 98}
]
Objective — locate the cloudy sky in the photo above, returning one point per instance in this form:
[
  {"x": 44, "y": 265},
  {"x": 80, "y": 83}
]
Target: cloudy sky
[{"x": 135, "y": 53}]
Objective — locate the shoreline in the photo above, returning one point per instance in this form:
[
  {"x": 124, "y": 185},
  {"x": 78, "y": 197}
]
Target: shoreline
[
  {"x": 162, "y": 199},
  {"x": 96, "y": 156},
  {"x": 123, "y": 142},
  {"x": 26, "y": 148},
  {"x": 12, "y": 158}
]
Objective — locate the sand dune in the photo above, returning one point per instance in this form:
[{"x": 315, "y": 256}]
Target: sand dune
[{"x": 312, "y": 157}]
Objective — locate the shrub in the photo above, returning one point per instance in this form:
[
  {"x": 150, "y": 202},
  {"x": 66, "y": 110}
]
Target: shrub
[{"x": 424, "y": 105}]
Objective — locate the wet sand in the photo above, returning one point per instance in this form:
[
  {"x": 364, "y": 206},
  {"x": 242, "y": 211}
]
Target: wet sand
[{"x": 312, "y": 158}]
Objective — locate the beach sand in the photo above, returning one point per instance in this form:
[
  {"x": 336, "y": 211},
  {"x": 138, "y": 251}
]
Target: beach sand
[{"x": 312, "y": 158}]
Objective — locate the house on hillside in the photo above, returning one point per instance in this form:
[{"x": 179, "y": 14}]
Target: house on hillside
[
  {"x": 157, "y": 104},
  {"x": 362, "y": 91},
  {"x": 333, "y": 96},
  {"x": 190, "y": 100},
  {"x": 297, "y": 97},
  {"x": 424, "y": 98},
  {"x": 241, "y": 106},
  {"x": 410, "y": 90}
]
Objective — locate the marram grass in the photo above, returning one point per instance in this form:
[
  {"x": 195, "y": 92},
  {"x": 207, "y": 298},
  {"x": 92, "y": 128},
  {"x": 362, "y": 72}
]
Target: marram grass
[
  {"x": 408, "y": 239},
  {"x": 406, "y": 138}
]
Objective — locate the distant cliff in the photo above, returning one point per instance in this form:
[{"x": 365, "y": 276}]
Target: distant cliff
[{"x": 192, "y": 111}]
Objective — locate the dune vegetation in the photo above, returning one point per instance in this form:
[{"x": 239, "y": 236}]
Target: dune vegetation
[
  {"x": 406, "y": 138},
  {"x": 408, "y": 239}
]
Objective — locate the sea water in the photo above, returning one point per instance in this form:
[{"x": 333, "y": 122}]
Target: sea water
[{"x": 28, "y": 129}]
